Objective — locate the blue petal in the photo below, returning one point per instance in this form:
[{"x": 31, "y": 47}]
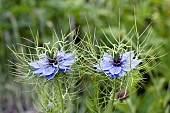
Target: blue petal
[
  {"x": 66, "y": 56},
  {"x": 107, "y": 57},
  {"x": 105, "y": 65},
  {"x": 135, "y": 63},
  {"x": 115, "y": 76},
  {"x": 66, "y": 70},
  {"x": 49, "y": 77},
  {"x": 122, "y": 73},
  {"x": 98, "y": 70},
  {"x": 43, "y": 61},
  {"x": 67, "y": 62},
  {"x": 127, "y": 67},
  {"x": 112, "y": 76},
  {"x": 38, "y": 71},
  {"x": 41, "y": 74},
  {"x": 128, "y": 55},
  {"x": 49, "y": 70},
  {"x": 60, "y": 54},
  {"x": 62, "y": 67},
  {"x": 39, "y": 63},
  {"x": 115, "y": 70},
  {"x": 106, "y": 71},
  {"x": 34, "y": 64}
]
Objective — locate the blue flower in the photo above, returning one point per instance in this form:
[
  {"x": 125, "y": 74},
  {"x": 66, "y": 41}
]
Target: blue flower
[
  {"x": 49, "y": 67},
  {"x": 117, "y": 67}
]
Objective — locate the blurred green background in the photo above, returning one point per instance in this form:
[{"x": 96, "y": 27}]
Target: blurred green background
[{"x": 18, "y": 16}]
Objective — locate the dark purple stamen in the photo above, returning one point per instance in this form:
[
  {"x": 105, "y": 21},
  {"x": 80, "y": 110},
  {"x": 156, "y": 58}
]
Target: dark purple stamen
[
  {"x": 54, "y": 61},
  {"x": 117, "y": 63}
]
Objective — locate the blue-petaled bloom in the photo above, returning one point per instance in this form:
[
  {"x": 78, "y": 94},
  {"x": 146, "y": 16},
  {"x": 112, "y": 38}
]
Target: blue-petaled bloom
[
  {"x": 117, "y": 67},
  {"x": 49, "y": 67}
]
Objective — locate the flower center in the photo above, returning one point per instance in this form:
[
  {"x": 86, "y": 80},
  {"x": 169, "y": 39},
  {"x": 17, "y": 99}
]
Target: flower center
[
  {"x": 117, "y": 63},
  {"x": 53, "y": 61}
]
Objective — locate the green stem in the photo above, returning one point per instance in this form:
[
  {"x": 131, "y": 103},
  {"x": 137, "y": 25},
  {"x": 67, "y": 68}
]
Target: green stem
[
  {"x": 113, "y": 97},
  {"x": 114, "y": 92},
  {"x": 111, "y": 102},
  {"x": 61, "y": 96}
]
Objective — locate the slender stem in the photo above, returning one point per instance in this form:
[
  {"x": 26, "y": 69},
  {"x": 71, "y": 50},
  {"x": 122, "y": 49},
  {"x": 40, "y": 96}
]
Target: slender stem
[
  {"x": 114, "y": 93},
  {"x": 61, "y": 96},
  {"x": 111, "y": 102}
]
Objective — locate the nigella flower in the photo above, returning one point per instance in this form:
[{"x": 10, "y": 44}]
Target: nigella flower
[
  {"x": 119, "y": 65},
  {"x": 48, "y": 67}
]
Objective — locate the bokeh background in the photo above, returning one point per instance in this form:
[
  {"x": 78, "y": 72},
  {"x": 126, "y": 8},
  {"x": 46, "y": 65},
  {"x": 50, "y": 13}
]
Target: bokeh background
[{"x": 18, "y": 16}]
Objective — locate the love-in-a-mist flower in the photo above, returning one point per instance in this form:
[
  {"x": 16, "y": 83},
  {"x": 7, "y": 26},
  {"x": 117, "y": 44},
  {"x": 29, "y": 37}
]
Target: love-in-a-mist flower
[
  {"x": 119, "y": 65},
  {"x": 48, "y": 67}
]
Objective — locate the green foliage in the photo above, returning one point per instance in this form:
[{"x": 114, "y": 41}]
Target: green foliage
[{"x": 18, "y": 16}]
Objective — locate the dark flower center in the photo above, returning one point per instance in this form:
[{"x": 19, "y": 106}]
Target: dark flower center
[
  {"x": 117, "y": 63},
  {"x": 117, "y": 60},
  {"x": 53, "y": 61}
]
